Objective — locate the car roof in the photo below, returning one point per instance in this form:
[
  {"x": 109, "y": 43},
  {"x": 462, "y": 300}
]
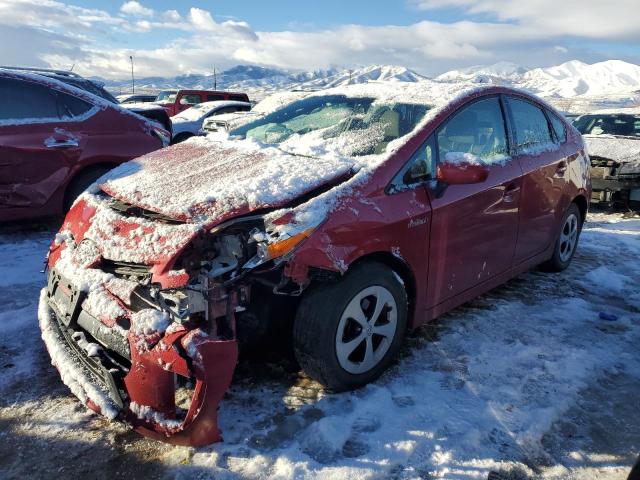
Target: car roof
[{"x": 52, "y": 82}]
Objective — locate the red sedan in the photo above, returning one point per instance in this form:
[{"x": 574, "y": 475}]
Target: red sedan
[
  {"x": 55, "y": 140},
  {"x": 341, "y": 220}
]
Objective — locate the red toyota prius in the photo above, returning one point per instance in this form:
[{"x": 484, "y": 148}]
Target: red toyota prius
[{"x": 340, "y": 220}]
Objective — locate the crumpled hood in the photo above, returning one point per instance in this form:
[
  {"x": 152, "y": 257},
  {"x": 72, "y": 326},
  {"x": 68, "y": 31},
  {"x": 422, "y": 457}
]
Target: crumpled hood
[
  {"x": 618, "y": 149},
  {"x": 208, "y": 181}
]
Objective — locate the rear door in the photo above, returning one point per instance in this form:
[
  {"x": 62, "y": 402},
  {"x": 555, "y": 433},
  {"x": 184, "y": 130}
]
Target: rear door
[
  {"x": 41, "y": 139},
  {"x": 540, "y": 153},
  {"x": 474, "y": 227}
]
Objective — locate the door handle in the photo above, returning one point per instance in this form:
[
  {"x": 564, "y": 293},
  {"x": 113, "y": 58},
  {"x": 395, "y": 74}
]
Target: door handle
[
  {"x": 562, "y": 168},
  {"x": 510, "y": 192},
  {"x": 61, "y": 144}
]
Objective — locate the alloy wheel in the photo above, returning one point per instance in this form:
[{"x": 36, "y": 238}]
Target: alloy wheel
[
  {"x": 568, "y": 237},
  {"x": 366, "y": 330}
]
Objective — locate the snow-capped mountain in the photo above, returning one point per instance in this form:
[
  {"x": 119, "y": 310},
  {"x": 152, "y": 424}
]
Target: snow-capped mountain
[
  {"x": 245, "y": 77},
  {"x": 568, "y": 80},
  {"x": 496, "y": 73},
  {"x": 576, "y": 78},
  {"x": 573, "y": 85}
]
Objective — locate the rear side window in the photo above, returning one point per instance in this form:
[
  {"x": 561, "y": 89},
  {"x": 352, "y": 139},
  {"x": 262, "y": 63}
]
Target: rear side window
[
  {"x": 238, "y": 98},
  {"x": 190, "y": 99},
  {"x": 530, "y": 125},
  {"x": 215, "y": 98},
  {"x": 558, "y": 127},
  {"x": 25, "y": 101},
  {"x": 72, "y": 106},
  {"x": 476, "y": 131}
]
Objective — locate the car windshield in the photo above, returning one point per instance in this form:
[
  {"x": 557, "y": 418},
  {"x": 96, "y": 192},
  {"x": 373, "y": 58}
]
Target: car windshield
[
  {"x": 346, "y": 125},
  {"x": 623, "y": 125},
  {"x": 167, "y": 96}
]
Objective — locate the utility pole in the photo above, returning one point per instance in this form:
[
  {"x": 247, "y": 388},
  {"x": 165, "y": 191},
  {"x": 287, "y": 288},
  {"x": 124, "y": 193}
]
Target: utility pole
[
  {"x": 215, "y": 79},
  {"x": 133, "y": 82}
]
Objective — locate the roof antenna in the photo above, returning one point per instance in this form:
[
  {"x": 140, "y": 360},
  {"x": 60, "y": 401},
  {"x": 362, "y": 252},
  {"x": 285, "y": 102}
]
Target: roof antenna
[
  {"x": 215, "y": 79},
  {"x": 71, "y": 69}
]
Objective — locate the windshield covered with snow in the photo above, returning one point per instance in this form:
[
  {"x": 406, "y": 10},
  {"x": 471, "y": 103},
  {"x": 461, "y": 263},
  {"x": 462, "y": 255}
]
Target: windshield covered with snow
[
  {"x": 622, "y": 125},
  {"x": 351, "y": 126},
  {"x": 167, "y": 96}
]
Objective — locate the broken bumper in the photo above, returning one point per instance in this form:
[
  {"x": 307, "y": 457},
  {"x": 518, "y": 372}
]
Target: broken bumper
[{"x": 135, "y": 380}]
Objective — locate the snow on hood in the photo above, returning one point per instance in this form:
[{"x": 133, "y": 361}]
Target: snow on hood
[
  {"x": 618, "y": 149},
  {"x": 208, "y": 180},
  {"x": 203, "y": 179}
]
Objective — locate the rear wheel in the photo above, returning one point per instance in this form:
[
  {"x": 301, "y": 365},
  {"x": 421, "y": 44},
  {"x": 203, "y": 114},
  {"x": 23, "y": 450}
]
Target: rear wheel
[
  {"x": 346, "y": 334},
  {"x": 80, "y": 183},
  {"x": 567, "y": 241}
]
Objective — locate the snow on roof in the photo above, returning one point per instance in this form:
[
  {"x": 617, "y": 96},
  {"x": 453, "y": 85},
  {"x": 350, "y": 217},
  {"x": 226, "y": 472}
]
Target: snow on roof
[
  {"x": 209, "y": 179},
  {"x": 201, "y": 109}
]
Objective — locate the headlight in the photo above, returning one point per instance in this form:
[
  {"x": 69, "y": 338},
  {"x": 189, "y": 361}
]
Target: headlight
[{"x": 280, "y": 239}]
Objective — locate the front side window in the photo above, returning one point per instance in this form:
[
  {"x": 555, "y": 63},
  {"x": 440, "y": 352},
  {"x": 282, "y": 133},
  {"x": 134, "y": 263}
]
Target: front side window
[
  {"x": 26, "y": 101},
  {"x": 530, "y": 125},
  {"x": 475, "y": 133},
  {"x": 422, "y": 165}
]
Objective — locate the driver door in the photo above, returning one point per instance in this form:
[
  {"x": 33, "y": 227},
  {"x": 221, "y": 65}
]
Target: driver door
[{"x": 475, "y": 226}]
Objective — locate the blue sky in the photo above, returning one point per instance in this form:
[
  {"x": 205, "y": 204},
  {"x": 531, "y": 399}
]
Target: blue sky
[{"x": 430, "y": 36}]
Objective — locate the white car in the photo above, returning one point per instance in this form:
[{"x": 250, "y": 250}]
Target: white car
[
  {"x": 187, "y": 123},
  {"x": 267, "y": 105}
]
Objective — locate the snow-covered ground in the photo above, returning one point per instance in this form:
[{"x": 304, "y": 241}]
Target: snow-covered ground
[{"x": 539, "y": 378}]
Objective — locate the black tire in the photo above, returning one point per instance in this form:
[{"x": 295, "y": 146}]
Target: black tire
[
  {"x": 181, "y": 137},
  {"x": 558, "y": 262},
  {"x": 80, "y": 183},
  {"x": 318, "y": 318}
]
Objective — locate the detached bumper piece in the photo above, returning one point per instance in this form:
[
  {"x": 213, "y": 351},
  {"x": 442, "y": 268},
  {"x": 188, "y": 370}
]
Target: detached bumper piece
[
  {"x": 87, "y": 378},
  {"x": 166, "y": 386}
]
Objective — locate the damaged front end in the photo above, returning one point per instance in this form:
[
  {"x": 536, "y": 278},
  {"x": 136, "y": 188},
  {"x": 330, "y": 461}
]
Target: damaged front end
[
  {"x": 140, "y": 313},
  {"x": 615, "y": 183}
]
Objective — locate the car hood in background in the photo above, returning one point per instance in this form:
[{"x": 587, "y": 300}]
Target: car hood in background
[{"x": 209, "y": 181}]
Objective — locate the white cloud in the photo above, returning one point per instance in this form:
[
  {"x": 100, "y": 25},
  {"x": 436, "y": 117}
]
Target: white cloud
[
  {"x": 613, "y": 19},
  {"x": 136, "y": 9},
  {"x": 171, "y": 16},
  {"x": 63, "y": 34}
]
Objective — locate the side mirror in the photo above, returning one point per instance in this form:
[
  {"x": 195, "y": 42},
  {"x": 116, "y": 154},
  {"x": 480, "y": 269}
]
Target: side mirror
[{"x": 461, "y": 173}]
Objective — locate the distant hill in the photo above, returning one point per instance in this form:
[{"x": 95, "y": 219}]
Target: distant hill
[{"x": 574, "y": 84}]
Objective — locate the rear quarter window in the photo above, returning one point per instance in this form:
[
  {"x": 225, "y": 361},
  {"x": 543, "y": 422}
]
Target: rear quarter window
[
  {"x": 558, "y": 126},
  {"x": 531, "y": 127}
]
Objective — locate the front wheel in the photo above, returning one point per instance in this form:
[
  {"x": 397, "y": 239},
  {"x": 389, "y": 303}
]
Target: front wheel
[
  {"x": 346, "y": 334},
  {"x": 567, "y": 240}
]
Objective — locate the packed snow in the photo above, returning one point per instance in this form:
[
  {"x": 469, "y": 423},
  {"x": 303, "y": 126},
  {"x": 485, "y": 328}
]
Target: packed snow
[{"x": 538, "y": 379}]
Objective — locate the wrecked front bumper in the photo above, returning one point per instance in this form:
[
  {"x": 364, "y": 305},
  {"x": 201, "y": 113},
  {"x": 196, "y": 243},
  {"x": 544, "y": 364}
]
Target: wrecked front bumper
[{"x": 167, "y": 386}]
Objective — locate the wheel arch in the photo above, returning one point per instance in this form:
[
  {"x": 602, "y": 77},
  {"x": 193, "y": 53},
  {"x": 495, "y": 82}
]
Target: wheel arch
[
  {"x": 402, "y": 269},
  {"x": 583, "y": 206},
  {"x": 82, "y": 171}
]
